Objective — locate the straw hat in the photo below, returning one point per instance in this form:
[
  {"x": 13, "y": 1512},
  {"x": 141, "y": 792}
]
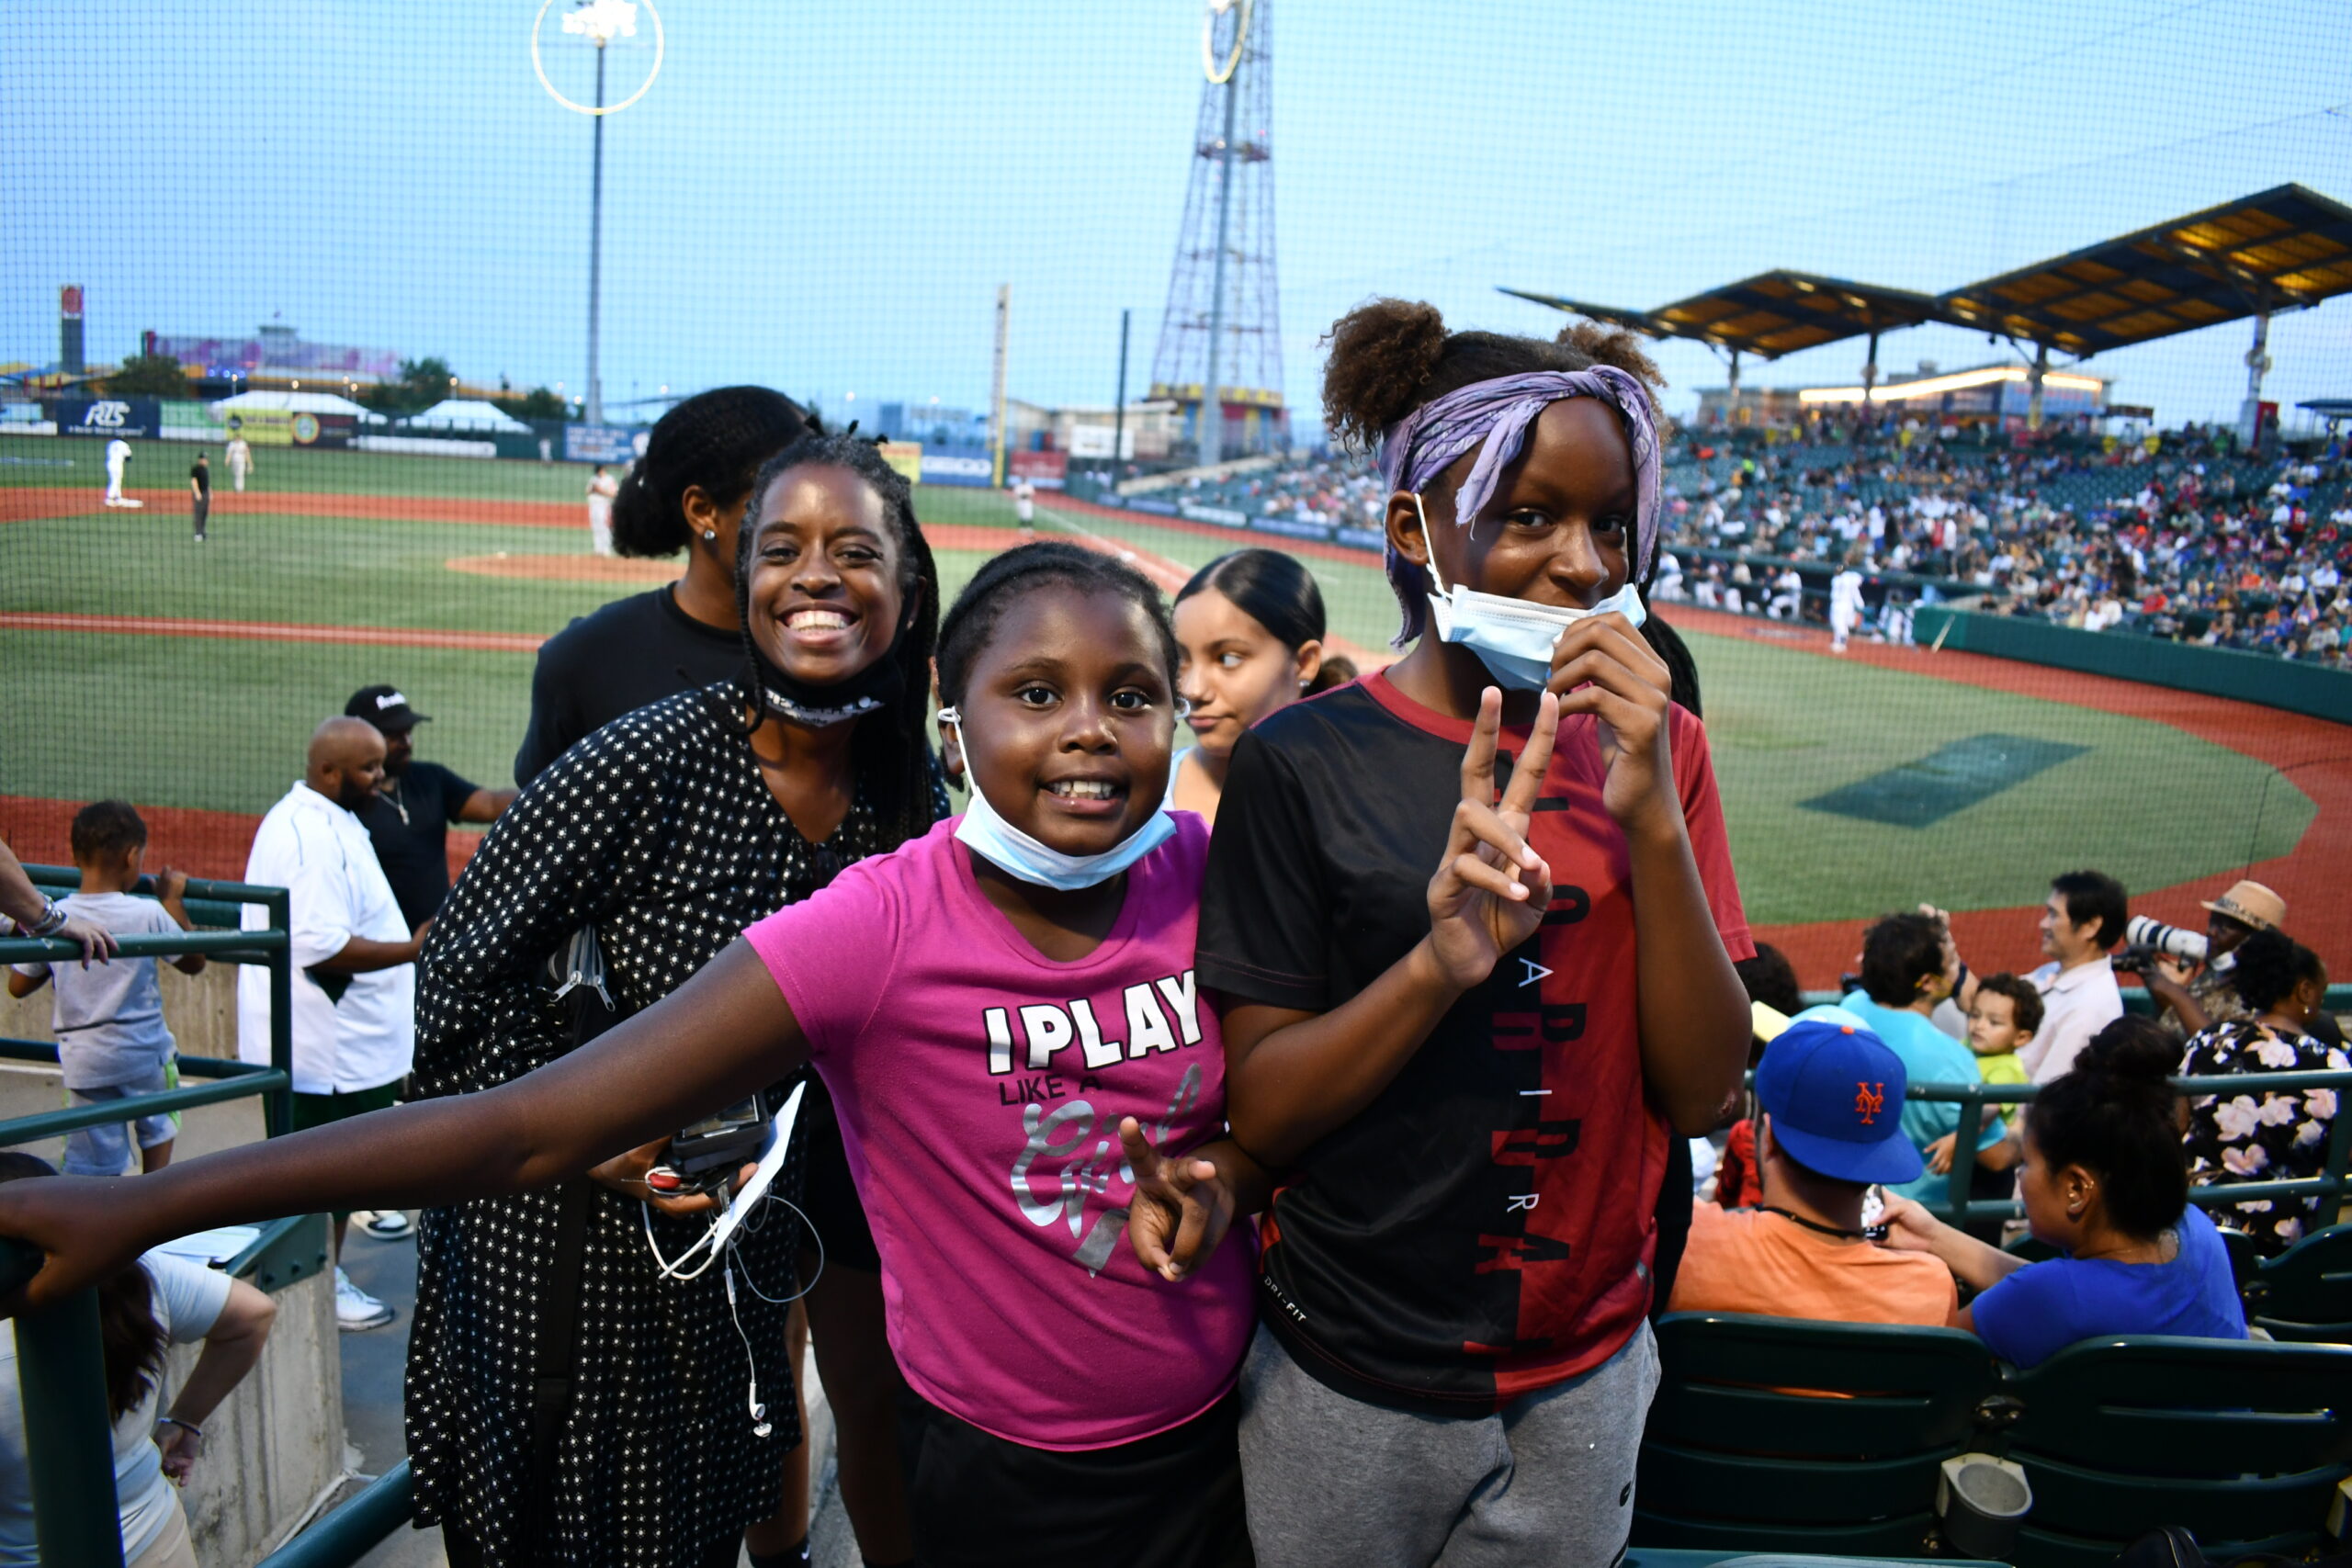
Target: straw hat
[{"x": 2250, "y": 903}]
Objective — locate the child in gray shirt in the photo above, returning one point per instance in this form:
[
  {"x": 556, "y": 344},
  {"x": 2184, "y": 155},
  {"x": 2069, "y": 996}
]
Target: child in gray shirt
[{"x": 108, "y": 1018}]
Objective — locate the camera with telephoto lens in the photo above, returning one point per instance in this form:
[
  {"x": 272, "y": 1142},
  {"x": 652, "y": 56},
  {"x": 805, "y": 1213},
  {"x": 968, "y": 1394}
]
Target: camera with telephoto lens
[
  {"x": 2146, "y": 940},
  {"x": 706, "y": 1155}
]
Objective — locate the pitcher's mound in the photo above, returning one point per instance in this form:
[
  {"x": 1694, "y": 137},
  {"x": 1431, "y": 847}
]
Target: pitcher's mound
[{"x": 569, "y": 568}]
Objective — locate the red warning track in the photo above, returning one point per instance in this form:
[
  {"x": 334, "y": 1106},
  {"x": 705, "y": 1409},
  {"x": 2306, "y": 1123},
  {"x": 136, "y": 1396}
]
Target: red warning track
[
  {"x": 202, "y": 844},
  {"x": 2315, "y": 755}
]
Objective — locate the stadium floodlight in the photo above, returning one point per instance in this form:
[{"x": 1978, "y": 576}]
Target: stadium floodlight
[{"x": 598, "y": 22}]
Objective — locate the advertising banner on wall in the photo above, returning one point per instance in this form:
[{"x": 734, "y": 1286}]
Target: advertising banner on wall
[
  {"x": 1046, "y": 470},
  {"x": 132, "y": 419},
  {"x": 603, "y": 444},
  {"x": 290, "y": 427},
  {"x": 906, "y": 456},
  {"x": 968, "y": 467}
]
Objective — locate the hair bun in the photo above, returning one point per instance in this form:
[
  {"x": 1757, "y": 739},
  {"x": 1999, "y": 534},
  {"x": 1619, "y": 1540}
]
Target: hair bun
[
  {"x": 2132, "y": 1053},
  {"x": 1382, "y": 353}
]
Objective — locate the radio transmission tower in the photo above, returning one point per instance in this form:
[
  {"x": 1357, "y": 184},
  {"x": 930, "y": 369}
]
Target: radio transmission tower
[{"x": 1222, "y": 328}]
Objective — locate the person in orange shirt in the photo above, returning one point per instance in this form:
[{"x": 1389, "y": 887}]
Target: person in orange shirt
[{"x": 1829, "y": 1094}]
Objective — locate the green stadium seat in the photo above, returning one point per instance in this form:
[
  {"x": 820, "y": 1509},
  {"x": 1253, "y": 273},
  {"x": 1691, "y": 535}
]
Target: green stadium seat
[
  {"x": 1732, "y": 1459},
  {"x": 2305, "y": 1292},
  {"x": 2240, "y": 1443}
]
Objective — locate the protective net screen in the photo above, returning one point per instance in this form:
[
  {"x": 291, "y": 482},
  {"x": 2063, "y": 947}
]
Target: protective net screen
[{"x": 2004, "y": 338}]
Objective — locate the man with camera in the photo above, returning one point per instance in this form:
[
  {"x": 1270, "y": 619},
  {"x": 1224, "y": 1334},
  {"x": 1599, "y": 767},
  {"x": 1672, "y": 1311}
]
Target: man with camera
[
  {"x": 2194, "y": 976},
  {"x": 2085, "y": 914}
]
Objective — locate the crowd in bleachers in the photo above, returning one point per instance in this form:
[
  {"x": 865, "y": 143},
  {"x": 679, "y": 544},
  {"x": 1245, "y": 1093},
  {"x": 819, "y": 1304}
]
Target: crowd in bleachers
[{"x": 2179, "y": 535}]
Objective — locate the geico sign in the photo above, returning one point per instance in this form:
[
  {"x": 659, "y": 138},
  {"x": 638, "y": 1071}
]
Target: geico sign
[{"x": 107, "y": 416}]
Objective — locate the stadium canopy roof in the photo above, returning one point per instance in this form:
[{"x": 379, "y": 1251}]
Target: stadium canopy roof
[
  {"x": 1768, "y": 315},
  {"x": 466, "y": 413},
  {"x": 2282, "y": 250},
  {"x": 298, "y": 402}
]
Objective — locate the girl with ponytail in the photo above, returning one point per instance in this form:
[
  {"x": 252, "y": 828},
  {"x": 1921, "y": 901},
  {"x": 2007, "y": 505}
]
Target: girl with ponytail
[
  {"x": 686, "y": 493},
  {"x": 1475, "y": 1081},
  {"x": 1250, "y": 640},
  {"x": 2105, "y": 1181}
]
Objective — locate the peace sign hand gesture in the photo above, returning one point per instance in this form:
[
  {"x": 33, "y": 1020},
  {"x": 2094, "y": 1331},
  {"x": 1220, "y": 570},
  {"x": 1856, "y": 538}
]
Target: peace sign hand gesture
[{"x": 1491, "y": 889}]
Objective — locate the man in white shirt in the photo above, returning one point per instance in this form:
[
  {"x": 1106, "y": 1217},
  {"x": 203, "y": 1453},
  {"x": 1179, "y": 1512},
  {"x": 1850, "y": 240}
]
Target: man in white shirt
[
  {"x": 240, "y": 457},
  {"x": 355, "y": 978},
  {"x": 2083, "y": 916},
  {"x": 1845, "y": 605}
]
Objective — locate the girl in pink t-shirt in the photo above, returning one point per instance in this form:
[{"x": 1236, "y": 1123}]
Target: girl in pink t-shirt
[{"x": 1006, "y": 1014}]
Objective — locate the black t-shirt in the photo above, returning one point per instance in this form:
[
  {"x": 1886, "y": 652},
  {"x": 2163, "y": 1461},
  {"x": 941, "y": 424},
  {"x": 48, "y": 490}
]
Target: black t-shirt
[
  {"x": 633, "y": 651},
  {"x": 202, "y": 475},
  {"x": 410, "y": 824},
  {"x": 1484, "y": 1228}
]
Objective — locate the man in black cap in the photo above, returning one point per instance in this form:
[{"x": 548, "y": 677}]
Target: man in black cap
[{"x": 410, "y": 814}]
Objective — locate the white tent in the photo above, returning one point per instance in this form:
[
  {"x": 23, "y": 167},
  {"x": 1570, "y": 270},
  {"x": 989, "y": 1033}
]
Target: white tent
[
  {"x": 297, "y": 402},
  {"x": 466, "y": 413}
]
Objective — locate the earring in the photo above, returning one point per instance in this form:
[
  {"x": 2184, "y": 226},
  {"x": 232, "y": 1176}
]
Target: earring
[{"x": 710, "y": 533}]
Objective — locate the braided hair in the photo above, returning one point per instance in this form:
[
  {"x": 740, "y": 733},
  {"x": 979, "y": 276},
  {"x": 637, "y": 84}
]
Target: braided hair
[
  {"x": 715, "y": 441},
  {"x": 892, "y": 750},
  {"x": 1390, "y": 357},
  {"x": 969, "y": 626}
]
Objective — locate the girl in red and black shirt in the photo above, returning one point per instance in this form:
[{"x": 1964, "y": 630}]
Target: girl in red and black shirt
[{"x": 1473, "y": 1079}]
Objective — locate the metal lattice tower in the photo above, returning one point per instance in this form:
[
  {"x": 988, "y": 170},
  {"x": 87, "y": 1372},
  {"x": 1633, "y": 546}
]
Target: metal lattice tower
[{"x": 1224, "y": 319}]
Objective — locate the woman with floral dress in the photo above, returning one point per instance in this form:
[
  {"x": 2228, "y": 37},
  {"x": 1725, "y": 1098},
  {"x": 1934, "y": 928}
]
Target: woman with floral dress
[{"x": 2277, "y": 1136}]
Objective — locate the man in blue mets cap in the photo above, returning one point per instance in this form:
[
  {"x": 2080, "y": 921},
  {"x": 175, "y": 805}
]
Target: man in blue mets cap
[{"x": 1829, "y": 1100}]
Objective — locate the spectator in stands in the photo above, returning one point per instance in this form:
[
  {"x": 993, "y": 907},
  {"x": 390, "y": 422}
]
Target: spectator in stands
[
  {"x": 2210, "y": 996},
  {"x": 1250, "y": 640},
  {"x": 2004, "y": 1019},
  {"x": 355, "y": 957},
  {"x": 667, "y": 833},
  {"x": 161, "y": 1301},
  {"x": 2083, "y": 918},
  {"x": 1773, "y": 999},
  {"x": 1827, "y": 1092},
  {"x": 409, "y": 816},
  {"x": 30, "y": 912},
  {"x": 2104, "y": 1182},
  {"x": 1902, "y": 981},
  {"x": 2284, "y": 1135},
  {"x": 686, "y": 493},
  {"x": 111, "y": 1040}
]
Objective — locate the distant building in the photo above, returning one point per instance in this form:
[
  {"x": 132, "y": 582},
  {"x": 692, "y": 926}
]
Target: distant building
[
  {"x": 1983, "y": 394},
  {"x": 276, "y": 356},
  {"x": 929, "y": 421}
]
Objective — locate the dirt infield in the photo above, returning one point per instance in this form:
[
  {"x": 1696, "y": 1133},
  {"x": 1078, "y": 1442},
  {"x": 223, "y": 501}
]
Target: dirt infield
[
  {"x": 202, "y": 844},
  {"x": 28, "y": 504},
  {"x": 568, "y": 568},
  {"x": 2315, "y": 755}
]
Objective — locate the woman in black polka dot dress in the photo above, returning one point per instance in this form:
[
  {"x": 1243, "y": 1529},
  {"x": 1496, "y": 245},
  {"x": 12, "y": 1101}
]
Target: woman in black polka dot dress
[{"x": 670, "y": 830}]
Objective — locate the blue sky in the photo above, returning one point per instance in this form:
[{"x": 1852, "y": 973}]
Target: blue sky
[{"x": 824, "y": 197}]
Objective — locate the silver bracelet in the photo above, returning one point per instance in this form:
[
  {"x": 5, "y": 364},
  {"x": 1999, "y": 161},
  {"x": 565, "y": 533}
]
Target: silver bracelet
[
  {"x": 53, "y": 918},
  {"x": 183, "y": 1426}
]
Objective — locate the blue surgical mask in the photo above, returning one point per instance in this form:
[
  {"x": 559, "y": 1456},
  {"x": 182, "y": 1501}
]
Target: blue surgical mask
[
  {"x": 1512, "y": 637},
  {"x": 986, "y": 832}
]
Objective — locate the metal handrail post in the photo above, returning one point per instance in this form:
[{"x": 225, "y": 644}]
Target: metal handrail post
[
  {"x": 60, "y": 1375},
  {"x": 278, "y": 1106},
  {"x": 1966, "y": 1131}
]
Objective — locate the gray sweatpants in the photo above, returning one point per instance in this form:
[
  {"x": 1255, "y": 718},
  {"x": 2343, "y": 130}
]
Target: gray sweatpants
[{"x": 1547, "y": 1482}]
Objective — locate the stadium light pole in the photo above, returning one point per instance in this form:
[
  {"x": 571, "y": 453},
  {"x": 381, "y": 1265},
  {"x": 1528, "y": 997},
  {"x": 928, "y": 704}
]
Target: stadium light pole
[
  {"x": 600, "y": 22},
  {"x": 1210, "y": 435},
  {"x": 1119, "y": 406}
]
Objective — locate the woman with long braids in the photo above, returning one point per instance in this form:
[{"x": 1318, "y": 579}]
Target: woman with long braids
[
  {"x": 566, "y": 1403},
  {"x": 686, "y": 493}
]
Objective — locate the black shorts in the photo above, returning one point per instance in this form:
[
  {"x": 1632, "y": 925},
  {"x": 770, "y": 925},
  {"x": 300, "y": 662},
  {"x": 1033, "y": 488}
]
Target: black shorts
[
  {"x": 1172, "y": 1500},
  {"x": 828, "y": 1194}
]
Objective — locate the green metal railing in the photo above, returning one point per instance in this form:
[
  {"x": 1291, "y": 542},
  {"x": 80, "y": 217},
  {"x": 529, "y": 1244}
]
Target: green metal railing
[
  {"x": 1971, "y": 1099},
  {"x": 60, "y": 1360}
]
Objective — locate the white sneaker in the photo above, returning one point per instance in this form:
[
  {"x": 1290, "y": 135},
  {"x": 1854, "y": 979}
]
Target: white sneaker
[
  {"x": 384, "y": 1225},
  {"x": 355, "y": 1309}
]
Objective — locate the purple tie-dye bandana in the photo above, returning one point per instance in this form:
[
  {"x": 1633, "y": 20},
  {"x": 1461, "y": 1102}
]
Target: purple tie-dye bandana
[{"x": 1418, "y": 447}]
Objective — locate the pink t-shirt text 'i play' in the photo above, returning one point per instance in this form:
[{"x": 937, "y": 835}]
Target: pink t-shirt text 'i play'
[{"x": 979, "y": 1086}]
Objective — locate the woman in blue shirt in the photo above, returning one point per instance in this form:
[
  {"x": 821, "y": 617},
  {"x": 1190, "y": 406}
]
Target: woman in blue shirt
[{"x": 2105, "y": 1181}]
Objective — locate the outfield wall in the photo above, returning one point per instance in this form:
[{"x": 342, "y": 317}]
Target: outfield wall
[{"x": 2182, "y": 667}]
